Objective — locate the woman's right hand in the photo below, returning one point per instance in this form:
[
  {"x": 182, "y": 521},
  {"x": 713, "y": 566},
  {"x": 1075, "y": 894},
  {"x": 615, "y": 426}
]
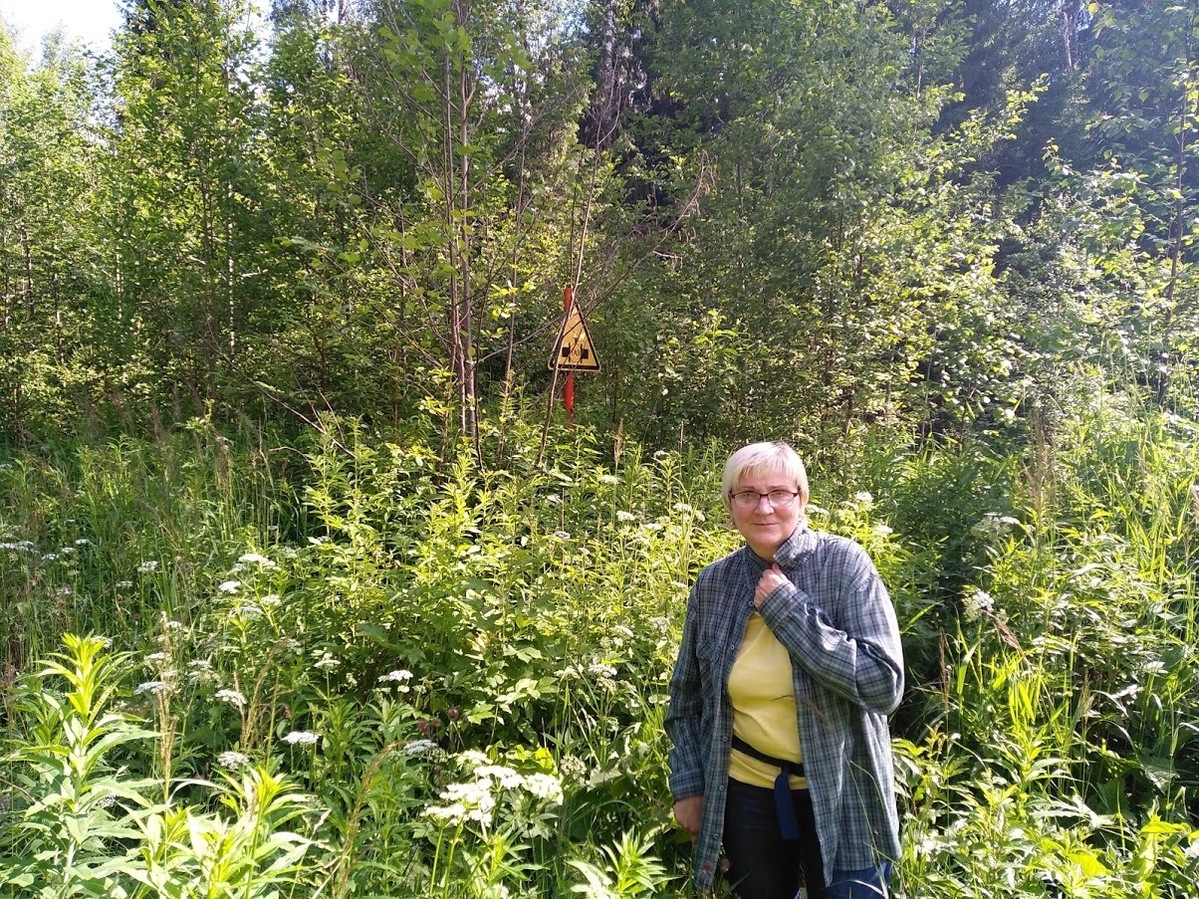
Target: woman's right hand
[{"x": 689, "y": 812}]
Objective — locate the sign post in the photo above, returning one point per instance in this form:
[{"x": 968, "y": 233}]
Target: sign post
[{"x": 574, "y": 350}]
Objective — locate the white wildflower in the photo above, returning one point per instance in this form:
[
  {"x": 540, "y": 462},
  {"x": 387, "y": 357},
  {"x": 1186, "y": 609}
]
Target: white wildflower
[
  {"x": 502, "y": 775},
  {"x": 609, "y": 479},
  {"x": 124, "y": 585},
  {"x": 864, "y": 498},
  {"x": 622, "y": 515},
  {"x": 248, "y": 611},
  {"x": 230, "y": 587},
  {"x": 147, "y": 567},
  {"x": 153, "y": 687},
  {"x": 233, "y": 697},
  {"x": 572, "y": 766},
  {"x": 652, "y": 526},
  {"x": 254, "y": 559},
  {"x": 67, "y": 551},
  {"x": 326, "y": 662},
  {"x": 683, "y": 508},
  {"x": 270, "y": 601},
  {"x": 50, "y": 557},
  {"x": 472, "y": 759},
  {"x": 83, "y": 541},
  {"x": 978, "y": 603},
  {"x": 562, "y": 535},
  {"x": 399, "y": 676},
  {"x": 301, "y": 737},
  {"x": 156, "y": 658},
  {"x": 599, "y": 669},
  {"x": 233, "y": 761},
  {"x": 881, "y": 530},
  {"x": 451, "y": 814},
  {"x": 544, "y": 786},
  {"x": 475, "y": 798}
]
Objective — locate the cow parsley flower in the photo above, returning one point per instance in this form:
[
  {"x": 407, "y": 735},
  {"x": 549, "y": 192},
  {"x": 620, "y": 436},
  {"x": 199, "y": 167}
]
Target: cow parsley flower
[
  {"x": 233, "y": 697},
  {"x": 233, "y": 761},
  {"x": 301, "y": 738},
  {"x": 977, "y": 603},
  {"x": 506, "y": 777},
  {"x": 544, "y": 786},
  {"x": 230, "y": 587}
]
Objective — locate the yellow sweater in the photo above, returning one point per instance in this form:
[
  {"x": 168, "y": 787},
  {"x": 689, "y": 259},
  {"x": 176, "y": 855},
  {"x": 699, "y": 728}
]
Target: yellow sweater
[{"x": 763, "y": 698}]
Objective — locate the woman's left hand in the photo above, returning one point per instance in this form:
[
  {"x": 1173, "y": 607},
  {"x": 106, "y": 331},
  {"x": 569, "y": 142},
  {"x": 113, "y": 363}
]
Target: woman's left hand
[{"x": 772, "y": 577}]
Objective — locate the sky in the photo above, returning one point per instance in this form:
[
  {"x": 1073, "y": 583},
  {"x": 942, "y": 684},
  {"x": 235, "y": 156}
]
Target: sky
[{"x": 89, "y": 20}]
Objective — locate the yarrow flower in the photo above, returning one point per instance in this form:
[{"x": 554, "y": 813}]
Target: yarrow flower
[
  {"x": 153, "y": 687},
  {"x": 609, "y": 479},
  {"x": 472, "y": 759},
  {"x": 622, "y": 515},
  {"x": 256, "y": 559},
  {"x": 233, "y": 697},
  {"x": 399, "y": 676},
  {"x": 993, "y": 525},
  {"x": 978, "y": 603},
  {"x": 233, "y": 761},
  {"x": 466, "y": 802},
  {"x": 230, "y": 587},
  {"x": 502, "y": 775},
  {"x": 599, "y": 669},
  {"x": 326, "y": 662},
  {"x": 544, "y": 786},
  {"x": 301, "y": 738}
]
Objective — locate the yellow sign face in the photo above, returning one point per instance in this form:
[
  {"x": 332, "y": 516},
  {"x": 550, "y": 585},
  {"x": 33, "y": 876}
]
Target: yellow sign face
[{"x": 574, "y": 350}]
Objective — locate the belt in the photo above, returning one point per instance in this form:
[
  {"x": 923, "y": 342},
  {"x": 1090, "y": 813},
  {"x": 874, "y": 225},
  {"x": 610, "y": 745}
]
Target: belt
[{"x": 788, "y": 825}]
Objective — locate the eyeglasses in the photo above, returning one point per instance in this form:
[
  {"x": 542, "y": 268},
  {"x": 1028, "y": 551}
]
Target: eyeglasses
[{"x": 746, "y": 500}]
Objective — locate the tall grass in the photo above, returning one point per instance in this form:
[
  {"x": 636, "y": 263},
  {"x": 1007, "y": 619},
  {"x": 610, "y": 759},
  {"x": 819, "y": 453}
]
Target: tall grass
[{"x": 452, "y": 680}]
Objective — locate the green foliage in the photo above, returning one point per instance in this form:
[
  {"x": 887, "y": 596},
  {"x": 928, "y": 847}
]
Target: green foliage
[{"x": 83, "y": 827}]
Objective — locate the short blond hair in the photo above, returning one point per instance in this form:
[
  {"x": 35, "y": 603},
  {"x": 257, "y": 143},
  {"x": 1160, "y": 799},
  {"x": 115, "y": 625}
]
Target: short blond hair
[{"x": 767, "y": 457}]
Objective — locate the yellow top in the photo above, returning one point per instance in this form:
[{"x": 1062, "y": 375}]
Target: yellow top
[{"x": 763, "y": 698}]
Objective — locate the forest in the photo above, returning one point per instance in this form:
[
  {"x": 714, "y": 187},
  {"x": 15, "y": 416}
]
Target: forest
[{"x": 310, "y": 583}]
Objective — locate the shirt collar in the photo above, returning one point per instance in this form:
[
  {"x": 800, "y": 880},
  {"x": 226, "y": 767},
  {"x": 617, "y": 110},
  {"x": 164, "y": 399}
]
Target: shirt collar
[{"x": 793, "y": 551}]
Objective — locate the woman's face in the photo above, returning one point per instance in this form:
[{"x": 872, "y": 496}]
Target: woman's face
[{"x": 766, "y": 526}]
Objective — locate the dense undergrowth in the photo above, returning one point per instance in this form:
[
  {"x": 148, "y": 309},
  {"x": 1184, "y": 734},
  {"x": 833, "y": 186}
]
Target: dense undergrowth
[{"x": 347, "y": 669}]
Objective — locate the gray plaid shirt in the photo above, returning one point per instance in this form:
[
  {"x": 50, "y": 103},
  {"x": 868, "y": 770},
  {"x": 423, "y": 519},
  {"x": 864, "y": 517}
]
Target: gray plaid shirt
[{"x": 837, "y": 623}]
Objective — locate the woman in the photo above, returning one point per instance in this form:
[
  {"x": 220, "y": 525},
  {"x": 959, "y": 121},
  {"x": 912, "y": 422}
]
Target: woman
[{"x": 789, "y": 665}]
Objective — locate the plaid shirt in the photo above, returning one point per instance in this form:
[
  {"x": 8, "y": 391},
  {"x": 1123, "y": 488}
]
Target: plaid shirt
[{"x": 837, "y": 623}]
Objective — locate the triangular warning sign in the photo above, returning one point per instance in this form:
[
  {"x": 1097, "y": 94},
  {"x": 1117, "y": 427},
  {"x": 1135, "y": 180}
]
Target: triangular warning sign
[{"x": 574, "y": 350}]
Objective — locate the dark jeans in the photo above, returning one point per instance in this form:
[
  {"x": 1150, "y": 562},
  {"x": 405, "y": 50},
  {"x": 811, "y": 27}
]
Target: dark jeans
[{"x": 762, "y": 865}]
